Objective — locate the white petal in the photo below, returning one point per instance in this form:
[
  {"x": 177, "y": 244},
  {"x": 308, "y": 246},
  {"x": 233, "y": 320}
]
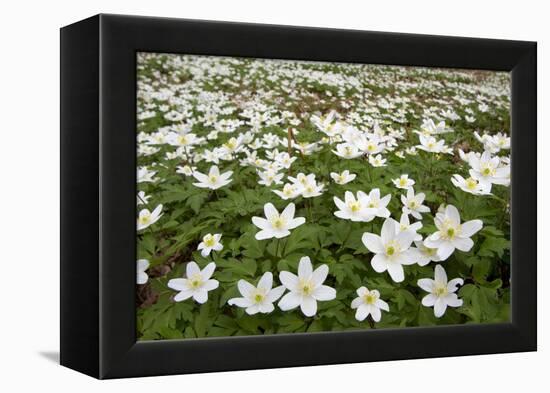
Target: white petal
[
  {"x": 210, "y": 285},
  {"x": 388, "y": 230},
  {"x": 362, "y": 312},
  {"x": 452, "y": 300},
  {"x": 356, "y": 302},
  {"x": 440, "y": 276},
  {"x": 208, "y": 271},
  {"x": 308, "y": 306},
  {"x": 275, "y": 293},
  {"x": 376, "y": 314},
  {"x": 382, "y": 305},
  {"x": 373, "y": 243},
  {"x": 379, "y": 263},
  {"x": 200, "y": 296},
  {"x": 270, "y": 211},
  {"x": 429, "y": 300},
  {"x": 444, "y": 250},
  {"x": 469, "y": 228},
  {"x": 178, "y": 284},
  {"x": 288, "y": 212},
  {"x": 305, "y": 269},
  {"x": 261, "y": 223},
  {"x": 183, "y": 295},
  {"x": 324, "y": 293},
  {"x": 463, "y": 244},
  {"x": 245, "y": 288},
  {"x": 396, "y": 272},
  {"x": 266, "y": 282},
  {"x": 296, "y": 222},
  {"x": 289, "y": 280},
  {"x": 265, "y": 234},
  {"x": 452, "y": 285},
  {"x": 192, "y": 269},
  {"x": 426, "y": 284},
  {"x": 319, "y": 275},
  {"x": 240, "y": 302},
  {"x": 290, "y": 301},
  {"x": 452, "y": 213},
  {"x": 439, "y": 307}
]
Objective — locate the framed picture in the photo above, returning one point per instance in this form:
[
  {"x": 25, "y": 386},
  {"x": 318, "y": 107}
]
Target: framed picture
[{"x": 240, "y": 196}]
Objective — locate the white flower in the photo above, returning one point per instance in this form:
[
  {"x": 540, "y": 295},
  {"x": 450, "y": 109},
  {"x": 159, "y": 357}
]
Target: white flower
[
  {"x": 142, "y": 198},
  {"x": 290, "y": 191},
  {"x": 210, "y": 242},
  {"x": 405, "y": 225},
  {"x": 377, "y": 161},
  {"x": 307, "y": 185},
  {"x": 355, "y": 209},
  {"x": 312, "y": 190},
  {"x": 426, "y": 254},
  {"x": 233, "y": 145},
  {"x": 284, "y": 160},
  {"x": 431, "y": 145},
  {"x": 213, "y": 180},
  {"x": 305, "y": 289},
  {"x": 442, "y": 293},
  {"x": 185, "y": 170},
  {"x": 451, "y": 234},
  {"x": 141, "y": 276},
  {"x": 347, "y": 151},
  {"x": 486, "y": 169},
  {"x": 429, "y": 127},
  {"x": 403, "y": 182},
  {"x": 144, "y": 175},
  {"x": 182, "y": 140},
  {"x": 412, "y": 204},
  {"x": 368, "y": 303},
  {"x": 343, "y": 178},
  {"x": 196, "y": 285},
  {"x": 257, "y": 299},
  {"x": 147, "y": 218},
  {"x": 392, "y": 250},
  {"x": 275, "y": 224},
  {"x": 470, "y": 185},
  {"x": 269, "y": 177},
  {"x": 379, "y": 203}
]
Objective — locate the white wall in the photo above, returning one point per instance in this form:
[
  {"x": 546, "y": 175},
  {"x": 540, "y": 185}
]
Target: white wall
[{"x": 29, "y": 213}]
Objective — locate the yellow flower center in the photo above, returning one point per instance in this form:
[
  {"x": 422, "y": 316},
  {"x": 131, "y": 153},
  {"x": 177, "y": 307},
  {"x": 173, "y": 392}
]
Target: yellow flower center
[
  {"x": 209, "y": 241},
  {"x": 402, "y": 182},
  {"x": 145, "y": 218},
  {"x": 471, "y": 184},
  {"x": 195, "y": 281},
  {"x": 450, "y": 232},
  {"x": 258, "y": 298},
  {"x": 307, "y": 288},
  {"x": 390, "y": 250},
  {"x": 354, "y": 206},
  {"x": 231, "y": 143},
  {"x": 213, "y": 178},
  {"x": 370, "y": 298},
  {"x": 278, "y": 223},
  {"x": 441, "y": 290},
  {"x": 412, "y": 204}
]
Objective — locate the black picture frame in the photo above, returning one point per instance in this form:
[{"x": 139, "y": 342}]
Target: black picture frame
[{"x": 98, "y": 183}]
